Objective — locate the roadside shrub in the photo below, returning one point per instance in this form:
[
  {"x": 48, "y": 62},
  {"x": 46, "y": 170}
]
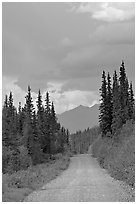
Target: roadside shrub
[
  {"x": 35, "y": 176},
  {"x": 24, "y": 158},
  {"x": 6, "y": 159},
  {"x": 15, "y": 160}
]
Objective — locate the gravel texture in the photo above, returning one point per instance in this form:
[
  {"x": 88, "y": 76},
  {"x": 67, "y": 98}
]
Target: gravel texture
[{"x": 83, "y": 181}]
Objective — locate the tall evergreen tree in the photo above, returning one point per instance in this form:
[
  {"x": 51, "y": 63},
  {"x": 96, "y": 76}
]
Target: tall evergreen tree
[
  {"x": 27, "y": 130},
  {"x": 20, "y": 120},
  {"x": 109, "y": 105},
  {"x": 40, "y": 121},
  {"x": 5, "y": 123},
  {"x": 23, "y": 118},
  {"x": 12, "y": 122},
  {"x": 127, "y": 103},
  {"x": 116, "y": 113},
  {"x": 10, "y": 105},
  {"x": 34, "y": 127},
  {"x": 6, "y": 102},
  {"x": 123, "y": 90},
  {"x": 131, "y": 103},
  {"x": 103, "y": 118},
  {"x": 29, "y": 105},
  {"x": 53, "y": 115},
  {"x": 48, "y": 124},
  {"x": 35, "y": 141},
  {"x": 53, "y": 123}
]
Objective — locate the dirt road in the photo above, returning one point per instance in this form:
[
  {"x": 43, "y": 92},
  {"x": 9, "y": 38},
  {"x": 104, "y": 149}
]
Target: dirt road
[{"x": 84, "y": 181}]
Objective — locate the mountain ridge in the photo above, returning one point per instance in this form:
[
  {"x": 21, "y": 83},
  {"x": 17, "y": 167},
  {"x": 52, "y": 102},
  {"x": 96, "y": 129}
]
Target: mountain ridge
[{"x": 79, "y": 118}]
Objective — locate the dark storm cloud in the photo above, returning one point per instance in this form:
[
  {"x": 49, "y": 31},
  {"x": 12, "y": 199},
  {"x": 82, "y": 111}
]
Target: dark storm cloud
[
  {"x": 67, "y": 44},
  {"x": 92, "y": 60}
]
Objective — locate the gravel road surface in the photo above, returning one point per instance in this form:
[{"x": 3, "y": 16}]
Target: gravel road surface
[{"x": 83, "y": 181}]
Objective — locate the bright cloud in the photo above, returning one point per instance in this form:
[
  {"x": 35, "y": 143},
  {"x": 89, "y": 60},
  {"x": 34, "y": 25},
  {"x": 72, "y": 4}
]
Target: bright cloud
[
  {"x": 9, "y": 84},
  {"x": 63, "y": 101},
  {"x": 70, "y": 99},
  {"x": 110, "y": 12}
]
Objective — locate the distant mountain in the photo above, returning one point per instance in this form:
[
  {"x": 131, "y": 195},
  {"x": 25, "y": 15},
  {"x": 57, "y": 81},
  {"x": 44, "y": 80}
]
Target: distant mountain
[{"x": 79, "y": 118}]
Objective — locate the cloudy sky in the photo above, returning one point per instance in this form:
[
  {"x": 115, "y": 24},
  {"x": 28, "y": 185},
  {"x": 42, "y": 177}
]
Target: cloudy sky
[{"x": 63, "y": 48}]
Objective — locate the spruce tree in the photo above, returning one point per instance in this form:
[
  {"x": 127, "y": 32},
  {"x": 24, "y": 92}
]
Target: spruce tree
[
  {"x": 53, "y": 123},
  {"x": 10, "y": 104},
  {"x": 40, "y": 121},
  {"x": 116, "y": 113},
  {"x": 126, "y": 102},
  {"x": 103, "y": 118},
  {"x": 131, "y": 103},
  {"x": 123, "y": 93},
  {"x": 6, "y": 102},
  {"x": 35, "y": 143},
  {"x": 47, "y": 124},
  {"x": 27, "y": 130},
  {"x": 53, "y": 115},
  {"x": 39, "y": 105},
  {"x": 11, "y": 122},
  {"x": 5, "y": 123},
  {"x": 20, "y": 120},
  {"x": 109, "y": 105},
  {"x": 22, "y": 117},
  {"x": 29, "y": 105},
  {"x": 34, "y": 127}
]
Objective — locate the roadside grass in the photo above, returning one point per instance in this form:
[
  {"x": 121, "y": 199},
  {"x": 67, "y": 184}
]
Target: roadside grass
[
  {"x": 16, "y": 186},
  {"x": 118, "y": 157}
]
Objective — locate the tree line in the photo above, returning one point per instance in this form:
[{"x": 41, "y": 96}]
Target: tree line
[
  {"x": 30, "y": 135},
  {"x": 81, "y": 140},
  {"x": 117, "y": 104}
]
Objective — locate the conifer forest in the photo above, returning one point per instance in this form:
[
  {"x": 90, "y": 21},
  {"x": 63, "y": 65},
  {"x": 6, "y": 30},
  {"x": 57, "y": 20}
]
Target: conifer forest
[{"x": 29, "y": 135}]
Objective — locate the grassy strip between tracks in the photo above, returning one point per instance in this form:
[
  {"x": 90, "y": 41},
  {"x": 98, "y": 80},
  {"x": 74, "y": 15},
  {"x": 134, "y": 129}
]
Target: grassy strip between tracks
[{"x": 17, "y": 186}]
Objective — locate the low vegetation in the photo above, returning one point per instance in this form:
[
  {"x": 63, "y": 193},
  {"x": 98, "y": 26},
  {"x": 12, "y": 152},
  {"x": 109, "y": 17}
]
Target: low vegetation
[
  {"x": 16, "y": 186},
  {"x": 118, "y": 157}
]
